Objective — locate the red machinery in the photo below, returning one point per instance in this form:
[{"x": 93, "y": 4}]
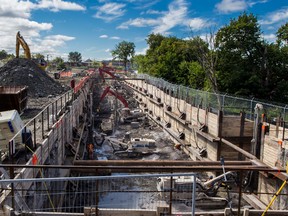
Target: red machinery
[
  {"x": 117, "y": 95},
  {"x": 109, "y": 72}
]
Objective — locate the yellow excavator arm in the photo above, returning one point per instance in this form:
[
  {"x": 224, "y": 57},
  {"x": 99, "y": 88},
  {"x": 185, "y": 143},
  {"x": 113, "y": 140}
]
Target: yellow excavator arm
[{"x": 20, "y": 41}]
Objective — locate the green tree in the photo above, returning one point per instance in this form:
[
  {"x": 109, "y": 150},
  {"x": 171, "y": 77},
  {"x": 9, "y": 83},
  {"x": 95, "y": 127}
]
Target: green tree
[
  {"x": 38, "y": 56},
  {"x": 282, "y": 35},
  {"x": 241, "y": 54},
  {"x": 58, "y": 63},
  {"x": 75, "y": 58},
  {"x": 124, "y": 51},
  {"x": 196, "y": 74},
  {"x": 140, "y": 63},
  {"x": 3, "y": 54}
]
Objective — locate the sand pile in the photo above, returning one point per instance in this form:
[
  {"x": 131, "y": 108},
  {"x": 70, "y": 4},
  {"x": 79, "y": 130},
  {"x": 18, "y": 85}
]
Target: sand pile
[{"x": 24, "y": 72}]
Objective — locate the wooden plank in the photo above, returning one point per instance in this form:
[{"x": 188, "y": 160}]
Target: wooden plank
[{"x": 254, "y": 201}]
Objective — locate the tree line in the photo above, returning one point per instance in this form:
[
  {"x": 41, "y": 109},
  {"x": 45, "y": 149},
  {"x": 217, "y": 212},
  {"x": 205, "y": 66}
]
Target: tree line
[{"x": 234, "y": 60}]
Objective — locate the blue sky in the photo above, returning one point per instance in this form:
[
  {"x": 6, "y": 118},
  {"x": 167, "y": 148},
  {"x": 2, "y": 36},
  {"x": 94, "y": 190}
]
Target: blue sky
[{"x": 93, "y": 28}]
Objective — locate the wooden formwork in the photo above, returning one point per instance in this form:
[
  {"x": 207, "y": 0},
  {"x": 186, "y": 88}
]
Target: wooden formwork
[
  {"x": 236, "y": 129},
  {"x": 13, "y": 97}
]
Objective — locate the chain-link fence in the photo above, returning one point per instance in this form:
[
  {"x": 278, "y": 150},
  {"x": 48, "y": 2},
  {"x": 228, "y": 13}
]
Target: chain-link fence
[
  {"x": 174, "y": 192},
  {"x": 230, "y": 105}
]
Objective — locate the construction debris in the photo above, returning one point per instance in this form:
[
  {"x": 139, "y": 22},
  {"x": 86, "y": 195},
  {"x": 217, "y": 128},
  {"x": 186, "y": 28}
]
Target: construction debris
[{"x": 24, "y": 72}]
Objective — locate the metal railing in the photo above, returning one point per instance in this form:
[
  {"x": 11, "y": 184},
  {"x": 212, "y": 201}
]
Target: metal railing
[
  {"x": 35, "y": 130},
  {"x": 230, "y": 105},
  {"x": 73, "y": 194}
]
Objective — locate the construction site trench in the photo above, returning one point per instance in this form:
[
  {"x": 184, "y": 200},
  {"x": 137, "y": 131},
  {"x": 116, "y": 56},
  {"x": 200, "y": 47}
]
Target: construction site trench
[
  {"x": 107, "y": 128},
  {"x": 118, "y": 130}
]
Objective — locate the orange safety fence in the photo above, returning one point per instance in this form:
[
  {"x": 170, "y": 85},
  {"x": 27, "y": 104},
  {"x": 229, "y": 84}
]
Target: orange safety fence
[
  {"x": 66, "y": 74},
  {"x": 80, "y": 84}
]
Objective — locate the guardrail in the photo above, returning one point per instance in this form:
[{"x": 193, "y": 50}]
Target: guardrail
[
  {"x": 35, "y": 130},
  {"x": 130, "y": 192}
]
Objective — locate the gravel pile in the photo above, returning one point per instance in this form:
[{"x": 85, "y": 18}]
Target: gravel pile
[{"x": 24, "y": 72}]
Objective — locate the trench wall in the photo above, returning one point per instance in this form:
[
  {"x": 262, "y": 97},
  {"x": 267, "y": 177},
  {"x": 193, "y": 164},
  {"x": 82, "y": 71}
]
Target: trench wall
[
  {"x": 194, "y": 128},
  {"x": 203, "y": 129},
  {"x": 51, "y": 150}
]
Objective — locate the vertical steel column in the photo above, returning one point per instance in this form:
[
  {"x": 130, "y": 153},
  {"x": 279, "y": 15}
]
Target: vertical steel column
[
  {"x": 34, "y": 132},
  {"x": 240, "y": 193},
  {"x": 97, "y": 196},
  {"x": 42, "y": 121},
  {"x": 61, "y": 102},
  {"x": 48, "y": 118},
  {"x": 193, "y": 195},
  {"x": 12, "y": 186},
  {"x": 56, "y": 104},
  {"x": 170, "y": 201},
  {"x": 53, "y": 114}
]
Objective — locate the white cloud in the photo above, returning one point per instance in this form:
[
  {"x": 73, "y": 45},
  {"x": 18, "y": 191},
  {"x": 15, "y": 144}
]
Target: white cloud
[
  {"x": 107, "y": 50},
  {"x": 14, "y": 8},
  {"x": 103, "y": 36},
  {"x": 57, "y": 5},
  {"x": 110, "y": 11},
  {"x": 142, "y": 4},
  {"x": 198, "y": 23},
  {"x": 270, "y": 37},
  {"x": 275, "y": 17},
  {"x": 16, "y": 16},
  {"x": 176, "y": 15},
  {"x": 139, "y": 22},
  {"x": 50, "y": 43},
  {"x": 230, "y": 6},
  {"x": 154, "y": 12},
  {"x": 142, "y": 52},
  {"x": 257, "y": 2},
  {"x": 115, "y": 38}
]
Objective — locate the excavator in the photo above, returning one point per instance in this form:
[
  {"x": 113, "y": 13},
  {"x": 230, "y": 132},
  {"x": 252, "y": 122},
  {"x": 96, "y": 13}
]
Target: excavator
[
  {"x": 20, "y": 41},
  {"x": 117, "y": 95},
  {"x": 127, "y": 115},
  {"x": 107, "y": 70}
]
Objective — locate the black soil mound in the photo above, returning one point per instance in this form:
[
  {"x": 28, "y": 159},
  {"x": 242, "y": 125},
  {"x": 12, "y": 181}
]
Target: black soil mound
[{"x": 24, "y": 72}]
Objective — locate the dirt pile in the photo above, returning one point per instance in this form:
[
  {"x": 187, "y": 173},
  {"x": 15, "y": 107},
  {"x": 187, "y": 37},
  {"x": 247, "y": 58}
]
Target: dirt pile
[{"x": 20, "y": 72}]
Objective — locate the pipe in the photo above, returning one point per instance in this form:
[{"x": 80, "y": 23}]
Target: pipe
[
  {"x": 109, "y": 170},
  {"x": 199, "y": 168},
  {"x": 157, "y": 163}
]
